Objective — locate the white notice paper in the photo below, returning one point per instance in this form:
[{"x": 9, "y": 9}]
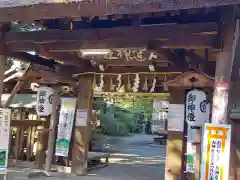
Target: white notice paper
[
  {"x": 176, "y": 117},
  {"x": 81, "y": 117},
  {"x": 5, "y": 116}
]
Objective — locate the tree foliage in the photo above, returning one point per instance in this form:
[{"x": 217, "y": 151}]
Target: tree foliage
[{"x": 119, "y": 114}]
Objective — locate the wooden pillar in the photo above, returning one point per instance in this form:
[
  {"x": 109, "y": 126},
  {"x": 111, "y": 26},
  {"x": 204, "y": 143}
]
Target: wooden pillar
[
  {"x": 2, "y": 70},
  {"x": 175, "y": 143},
  {"x": 52, "y": 130},
  {"x": 40, "y": 149},
  {"x": 224, "y": 65},
  {"x": 198, "y": 153},
  {"x": 29, "y": 141},
  {"x": 81, "y": 133}
]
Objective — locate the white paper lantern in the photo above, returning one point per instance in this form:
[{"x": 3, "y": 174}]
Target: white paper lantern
[
  {"x": 196, "y": 108},
  {"x": 44, "y": 101}
]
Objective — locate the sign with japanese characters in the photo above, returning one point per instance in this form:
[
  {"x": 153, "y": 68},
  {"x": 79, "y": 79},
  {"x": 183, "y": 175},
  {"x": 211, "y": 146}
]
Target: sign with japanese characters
[
  {"x": 44, "y": 101},
  {"x": 81, "y": 117},
  {"x": 196, "y": 107},
  {"x": 159, "y": 104},
  {"x": 175, "y": 117},
  {"x": 131, "y": 55},
  {"x": 66, "y": 119},
  {"x": 5, "y": 115},
  {"x": 215, "y": 152}
]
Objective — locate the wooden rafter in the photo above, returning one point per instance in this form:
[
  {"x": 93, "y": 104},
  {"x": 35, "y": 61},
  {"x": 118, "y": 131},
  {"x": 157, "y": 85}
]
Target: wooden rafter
[
  {"x": 200, "y": 35},
  {"x": 68, "y": 70},
  {"x": 199, "y": 62},
  {"x": 34, "y": 10},
  {"x": 17, "y": 87}
]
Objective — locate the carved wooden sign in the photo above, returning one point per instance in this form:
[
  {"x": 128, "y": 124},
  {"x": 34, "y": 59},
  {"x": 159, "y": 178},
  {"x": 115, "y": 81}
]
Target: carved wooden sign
[
  {"x": 191, "y": 79},
  {"x": 129, "y": 54}
]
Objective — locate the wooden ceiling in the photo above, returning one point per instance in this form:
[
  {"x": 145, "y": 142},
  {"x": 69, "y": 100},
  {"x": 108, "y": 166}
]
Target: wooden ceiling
[
  {"x": 40, "y": 9},
  {"x": 194, "y": 36},
  {"x": 177, "y": 41}
]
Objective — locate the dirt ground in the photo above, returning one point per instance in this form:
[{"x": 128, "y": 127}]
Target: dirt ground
[{"x": 138, "y": 157}]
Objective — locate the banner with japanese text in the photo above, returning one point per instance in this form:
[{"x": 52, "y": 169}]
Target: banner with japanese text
[
  {"x": 66, "y": 119},
  {"x": 5, "y": 115},
  {"x": 215, "y": 151}
]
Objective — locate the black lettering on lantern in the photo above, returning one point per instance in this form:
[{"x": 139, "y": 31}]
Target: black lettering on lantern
[
  {"x": 41, "y": 101},
  {"x": 191, "y": 107}
]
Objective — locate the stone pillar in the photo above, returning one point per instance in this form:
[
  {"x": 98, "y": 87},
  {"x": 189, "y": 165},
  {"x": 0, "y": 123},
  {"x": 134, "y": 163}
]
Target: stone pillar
[
  {"x": 174, "y": 166},
  {"x": 81, "y": 133}
]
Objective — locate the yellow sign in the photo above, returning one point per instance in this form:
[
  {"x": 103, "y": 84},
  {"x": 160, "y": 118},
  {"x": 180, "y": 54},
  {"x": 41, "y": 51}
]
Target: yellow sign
[{"x": 216, "y": 152}]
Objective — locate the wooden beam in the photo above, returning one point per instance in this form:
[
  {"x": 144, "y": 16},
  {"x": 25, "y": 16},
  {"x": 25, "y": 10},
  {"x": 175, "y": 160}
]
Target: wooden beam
[
  {"x": 123, "y": 70},
  {"x": 175, "y": 143},
  {"x": 201, "y": 63},
  {"x": 175, "y": 59},
  {"x": 2, "y": 70},
  {"x": 191, "y": 42},
  {"x": 81, "y": 133},
  {"x": 29, "y": 11},
  {"x": 13, "y": 93},
  {"x": 34, "y": 59},
  {"x": 185, "y": 35},
  {"x": 53, "y": 77},
  {"x": 223, "y": 94},
  {"x": 17, "y": 87},
  {"x": 69, "y": 58},
  {"x": 121, "y": 63}
]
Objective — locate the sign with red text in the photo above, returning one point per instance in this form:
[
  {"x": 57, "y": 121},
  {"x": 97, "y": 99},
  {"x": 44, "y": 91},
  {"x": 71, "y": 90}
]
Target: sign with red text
[{"x": 215, "y": 152}]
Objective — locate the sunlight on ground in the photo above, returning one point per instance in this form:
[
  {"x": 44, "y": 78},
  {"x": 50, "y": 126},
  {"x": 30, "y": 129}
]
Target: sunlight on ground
[
  {"x": 92, "y": 174},
  {"x": 135, "y": 159},
  {"x": 126, "y": 155},
  {"x": 128, "y": 161}
]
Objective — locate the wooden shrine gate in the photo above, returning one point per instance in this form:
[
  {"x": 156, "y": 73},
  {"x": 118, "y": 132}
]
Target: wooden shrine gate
[{"x": 111, "y": 46}]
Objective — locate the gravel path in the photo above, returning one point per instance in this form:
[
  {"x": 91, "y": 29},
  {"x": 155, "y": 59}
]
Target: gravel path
[{"x": 138, "y": 158}]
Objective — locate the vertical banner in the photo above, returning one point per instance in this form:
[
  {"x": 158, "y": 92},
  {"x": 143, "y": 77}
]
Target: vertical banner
[
  {"x": 66, "y": 119},
  {"x": 44, "y": 101},
  {"x": 5, "y": 115},
  {"x": 215, "y": 151}
]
